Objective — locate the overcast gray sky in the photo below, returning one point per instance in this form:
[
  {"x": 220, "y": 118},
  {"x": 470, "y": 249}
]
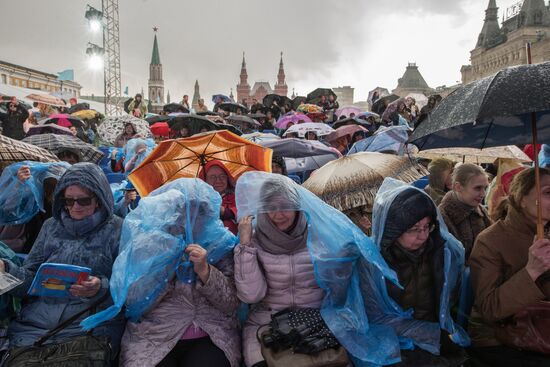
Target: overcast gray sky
[{"x": 326, "y": 43}]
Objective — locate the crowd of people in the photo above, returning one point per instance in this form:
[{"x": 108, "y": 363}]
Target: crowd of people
[{"x": 259, "y": 246}]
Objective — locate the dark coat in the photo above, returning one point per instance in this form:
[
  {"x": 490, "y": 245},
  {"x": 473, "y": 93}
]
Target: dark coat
[
  {"x": 463, "y": 221},
  {"x": 12, "y": 123}
]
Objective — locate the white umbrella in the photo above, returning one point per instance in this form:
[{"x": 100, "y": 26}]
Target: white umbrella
[
  {"x": 476, "y": 156},
  {"x": 318, "y": 128}
]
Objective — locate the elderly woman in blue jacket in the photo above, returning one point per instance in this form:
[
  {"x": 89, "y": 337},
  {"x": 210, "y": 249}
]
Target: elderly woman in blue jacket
[{"x": 83, "y": 231}]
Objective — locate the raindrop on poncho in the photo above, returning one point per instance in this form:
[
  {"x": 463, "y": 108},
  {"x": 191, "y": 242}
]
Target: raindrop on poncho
[
  {"x": 154, "y": 237},
  {"x": 21, "y": 201},
  {"x": 384, "y": 309},
  {"x": 130, "y": 150},
  {"x": 339, "y": 252}
]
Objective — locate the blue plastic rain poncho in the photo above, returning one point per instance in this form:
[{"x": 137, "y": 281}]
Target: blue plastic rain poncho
[
  {"x": 392, "y": 138},
  {"x": 154, "y": 237},
  {"x": 339, "y": 251},
  {"x": 21, "y": 201},
  {"x": 423, "y": 334},
  {"x": 130, "y": 152},
  {"x": 544, "y": 156}
]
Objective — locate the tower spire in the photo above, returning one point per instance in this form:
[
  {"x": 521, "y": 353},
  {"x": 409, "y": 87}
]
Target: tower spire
[
  {"x": 491, "y": 34},
  {"x": 243, "y": 88},
  {"x": 196, "y": 95},
  {"x": 280, "y": 87},
  {"x": 156, "y": 82}
]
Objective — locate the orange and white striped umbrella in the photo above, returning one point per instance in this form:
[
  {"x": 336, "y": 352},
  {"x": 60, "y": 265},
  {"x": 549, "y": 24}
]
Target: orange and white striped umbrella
[{"x": 173, "y": 159}]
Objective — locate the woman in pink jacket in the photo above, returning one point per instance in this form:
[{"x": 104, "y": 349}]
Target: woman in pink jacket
[{"x": 273, "y": 268}]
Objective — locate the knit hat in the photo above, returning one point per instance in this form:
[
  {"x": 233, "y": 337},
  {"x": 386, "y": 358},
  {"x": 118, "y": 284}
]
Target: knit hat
[{"x": 407, "y": 209}]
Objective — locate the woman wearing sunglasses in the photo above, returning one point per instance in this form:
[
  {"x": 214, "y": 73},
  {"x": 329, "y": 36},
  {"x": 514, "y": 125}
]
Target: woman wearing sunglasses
[{"x": 83, "y": 231}]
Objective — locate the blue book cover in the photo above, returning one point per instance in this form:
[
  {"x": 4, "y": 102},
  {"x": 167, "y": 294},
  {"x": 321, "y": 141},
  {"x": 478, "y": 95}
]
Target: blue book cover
[{"x": 55, "y": 280}]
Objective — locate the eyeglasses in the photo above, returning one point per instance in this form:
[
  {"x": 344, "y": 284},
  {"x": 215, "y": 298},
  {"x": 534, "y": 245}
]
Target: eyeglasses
[
  {"x": 214, "y": 178},
  {"x": 85, "y": 201},
  {"x": 419, "y": 230}
]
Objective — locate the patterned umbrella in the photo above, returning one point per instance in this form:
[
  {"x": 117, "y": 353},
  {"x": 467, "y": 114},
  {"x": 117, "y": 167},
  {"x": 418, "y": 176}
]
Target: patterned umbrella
[
  {"x": 318, "y": 128},
  {"x": 59, "y": 143},
  {"x": 12, "y": 151},
  {"x": 353, "y": 181},
  {"x": 113, "y": 126},
  {"x": 173, "y": 159},
  {"x": 46, "y": 99}
]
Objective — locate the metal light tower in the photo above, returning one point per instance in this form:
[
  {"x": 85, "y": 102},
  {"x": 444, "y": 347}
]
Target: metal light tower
[
  {"x": 107, "y": 21},
  {"x": 111, "y": 44}
]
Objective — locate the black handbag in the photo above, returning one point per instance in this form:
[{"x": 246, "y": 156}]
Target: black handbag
[{"x": 81, "y": 351}]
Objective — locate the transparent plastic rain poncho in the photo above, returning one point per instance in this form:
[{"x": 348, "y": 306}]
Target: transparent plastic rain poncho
[
  {"x": 130, "y": 150},
  {"x": 154, "y": 237},
  {"x": 340, "y": 251},
  {"x": 21, "y": 201},
  {"x": 423, "y": 334}
]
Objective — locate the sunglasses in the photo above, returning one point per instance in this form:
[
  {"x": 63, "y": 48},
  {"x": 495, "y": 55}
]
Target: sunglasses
[{"x": 85, "y": 201}]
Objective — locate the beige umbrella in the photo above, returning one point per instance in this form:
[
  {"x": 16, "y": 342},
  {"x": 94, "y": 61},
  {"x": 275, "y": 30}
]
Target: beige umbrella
[
  {"x": 476, "y": 156},
  {"x": 353, "y": 181},
  {"x": 46, "y": 99}
]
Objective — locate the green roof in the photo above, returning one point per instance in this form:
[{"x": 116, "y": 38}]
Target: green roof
[{"x": 155, "y": 58}]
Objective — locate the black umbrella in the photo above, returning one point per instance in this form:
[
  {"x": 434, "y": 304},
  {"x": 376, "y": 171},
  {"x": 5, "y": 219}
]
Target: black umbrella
[
  {"x": 297, "y": 101},
  {"x": 380, "y": 105},
  {"x": 231, "y": 128},
  {"x": 243, "y": 119},
  {"x": 270, "y": 99},
  {"x": 315, "y": 96},
  {"x": 232, "y": 107},
  {"x": 298, "y": 148},
  {"x": 157, "y": 118},
  {"x": 79, "y": 107},
  {"x": 193, "y": 122},
  {"x": 208, "y": 113},
  {"x": 174, "y": 107},
  {"x": 127, "y": 105},
  {"x": 257, "y": 116},
  {"x": 285, "y": 102},
  {"x": 510, "y": 107}
]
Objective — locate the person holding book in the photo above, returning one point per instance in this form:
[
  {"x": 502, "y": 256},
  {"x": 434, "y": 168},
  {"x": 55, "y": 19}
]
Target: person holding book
[{"x": 82, "y": 232}]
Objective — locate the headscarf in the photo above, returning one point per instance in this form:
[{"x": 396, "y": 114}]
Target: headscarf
[{"x": 204, "y": 171}]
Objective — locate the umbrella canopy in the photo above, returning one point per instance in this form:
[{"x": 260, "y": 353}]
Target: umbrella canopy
[
  {"x": 235, "y": 130},
  {"x": 12, "y": 151},
  {"x": 348, "y": 110},
  {"x": 318, "y": 128},
  {"x": 258, "y": 137},
  {"x": 315, "y": 96},
  {"x": 153, "y": 119},
  {"x": 59, "y": 143},
  {"x": 299, "y": 148},
  {"x": 173, "y": 159},
  {"x": 192, "y": 122},
  {"x": 393, "y": 138},
  {"x": 48, "y": 129},
  {"x": 295, "y": 118},
  {"x": 207, "y": 113},
  {"x": 343, "y": 131},
  {"x": 241, "y": 120},
  {"x": 220, "y": 97},
  {"x": 420, "y": 99},
  {"x": 83, "y": 106},
  {"x": 309, "y": 108},
  {"x": 297, "y": 101},
  {"x": 477, "y": 156},
  {"x": 380, "y": 105},
  {"x": 233, "y": 107},
  {"x": 270, "y": 99},
  {"x": 174, "y": 107},
  {"x": 490, "y": 112},
  {"x": 46, "y": 99},
  {"x": 160, "y": 129},
  {"x": 113, "y": 126},
  {"x": 86, "y": 114},
  {"x": 62, "y": 119},
  {"x": 257, "y": 115},
  {"x": 348, "y": 121},
  {"x": 354, "y": 180}
]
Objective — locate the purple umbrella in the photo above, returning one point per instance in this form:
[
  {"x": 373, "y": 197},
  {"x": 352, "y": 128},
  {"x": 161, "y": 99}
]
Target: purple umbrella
[
  {"x": 287, "y": 119},
  {"x": 347, "y": 111},
  {"x": 48, "y": 129}
]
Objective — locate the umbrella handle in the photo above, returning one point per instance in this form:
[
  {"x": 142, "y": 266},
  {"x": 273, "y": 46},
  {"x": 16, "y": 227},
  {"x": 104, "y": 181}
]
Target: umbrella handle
[{"x": 540, "y": 226}]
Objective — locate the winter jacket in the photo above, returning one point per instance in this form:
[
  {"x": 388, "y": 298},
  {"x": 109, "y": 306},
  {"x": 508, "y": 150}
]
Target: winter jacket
[
  {"x": 12, "y": 123},
  {"x": 501, "y": 284},
  {"x": 55, "y": 244},
  {"x": 272, "y": 283},
  {"x": 210, "y": 306},
  {"x": 463, "y": 221}
]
